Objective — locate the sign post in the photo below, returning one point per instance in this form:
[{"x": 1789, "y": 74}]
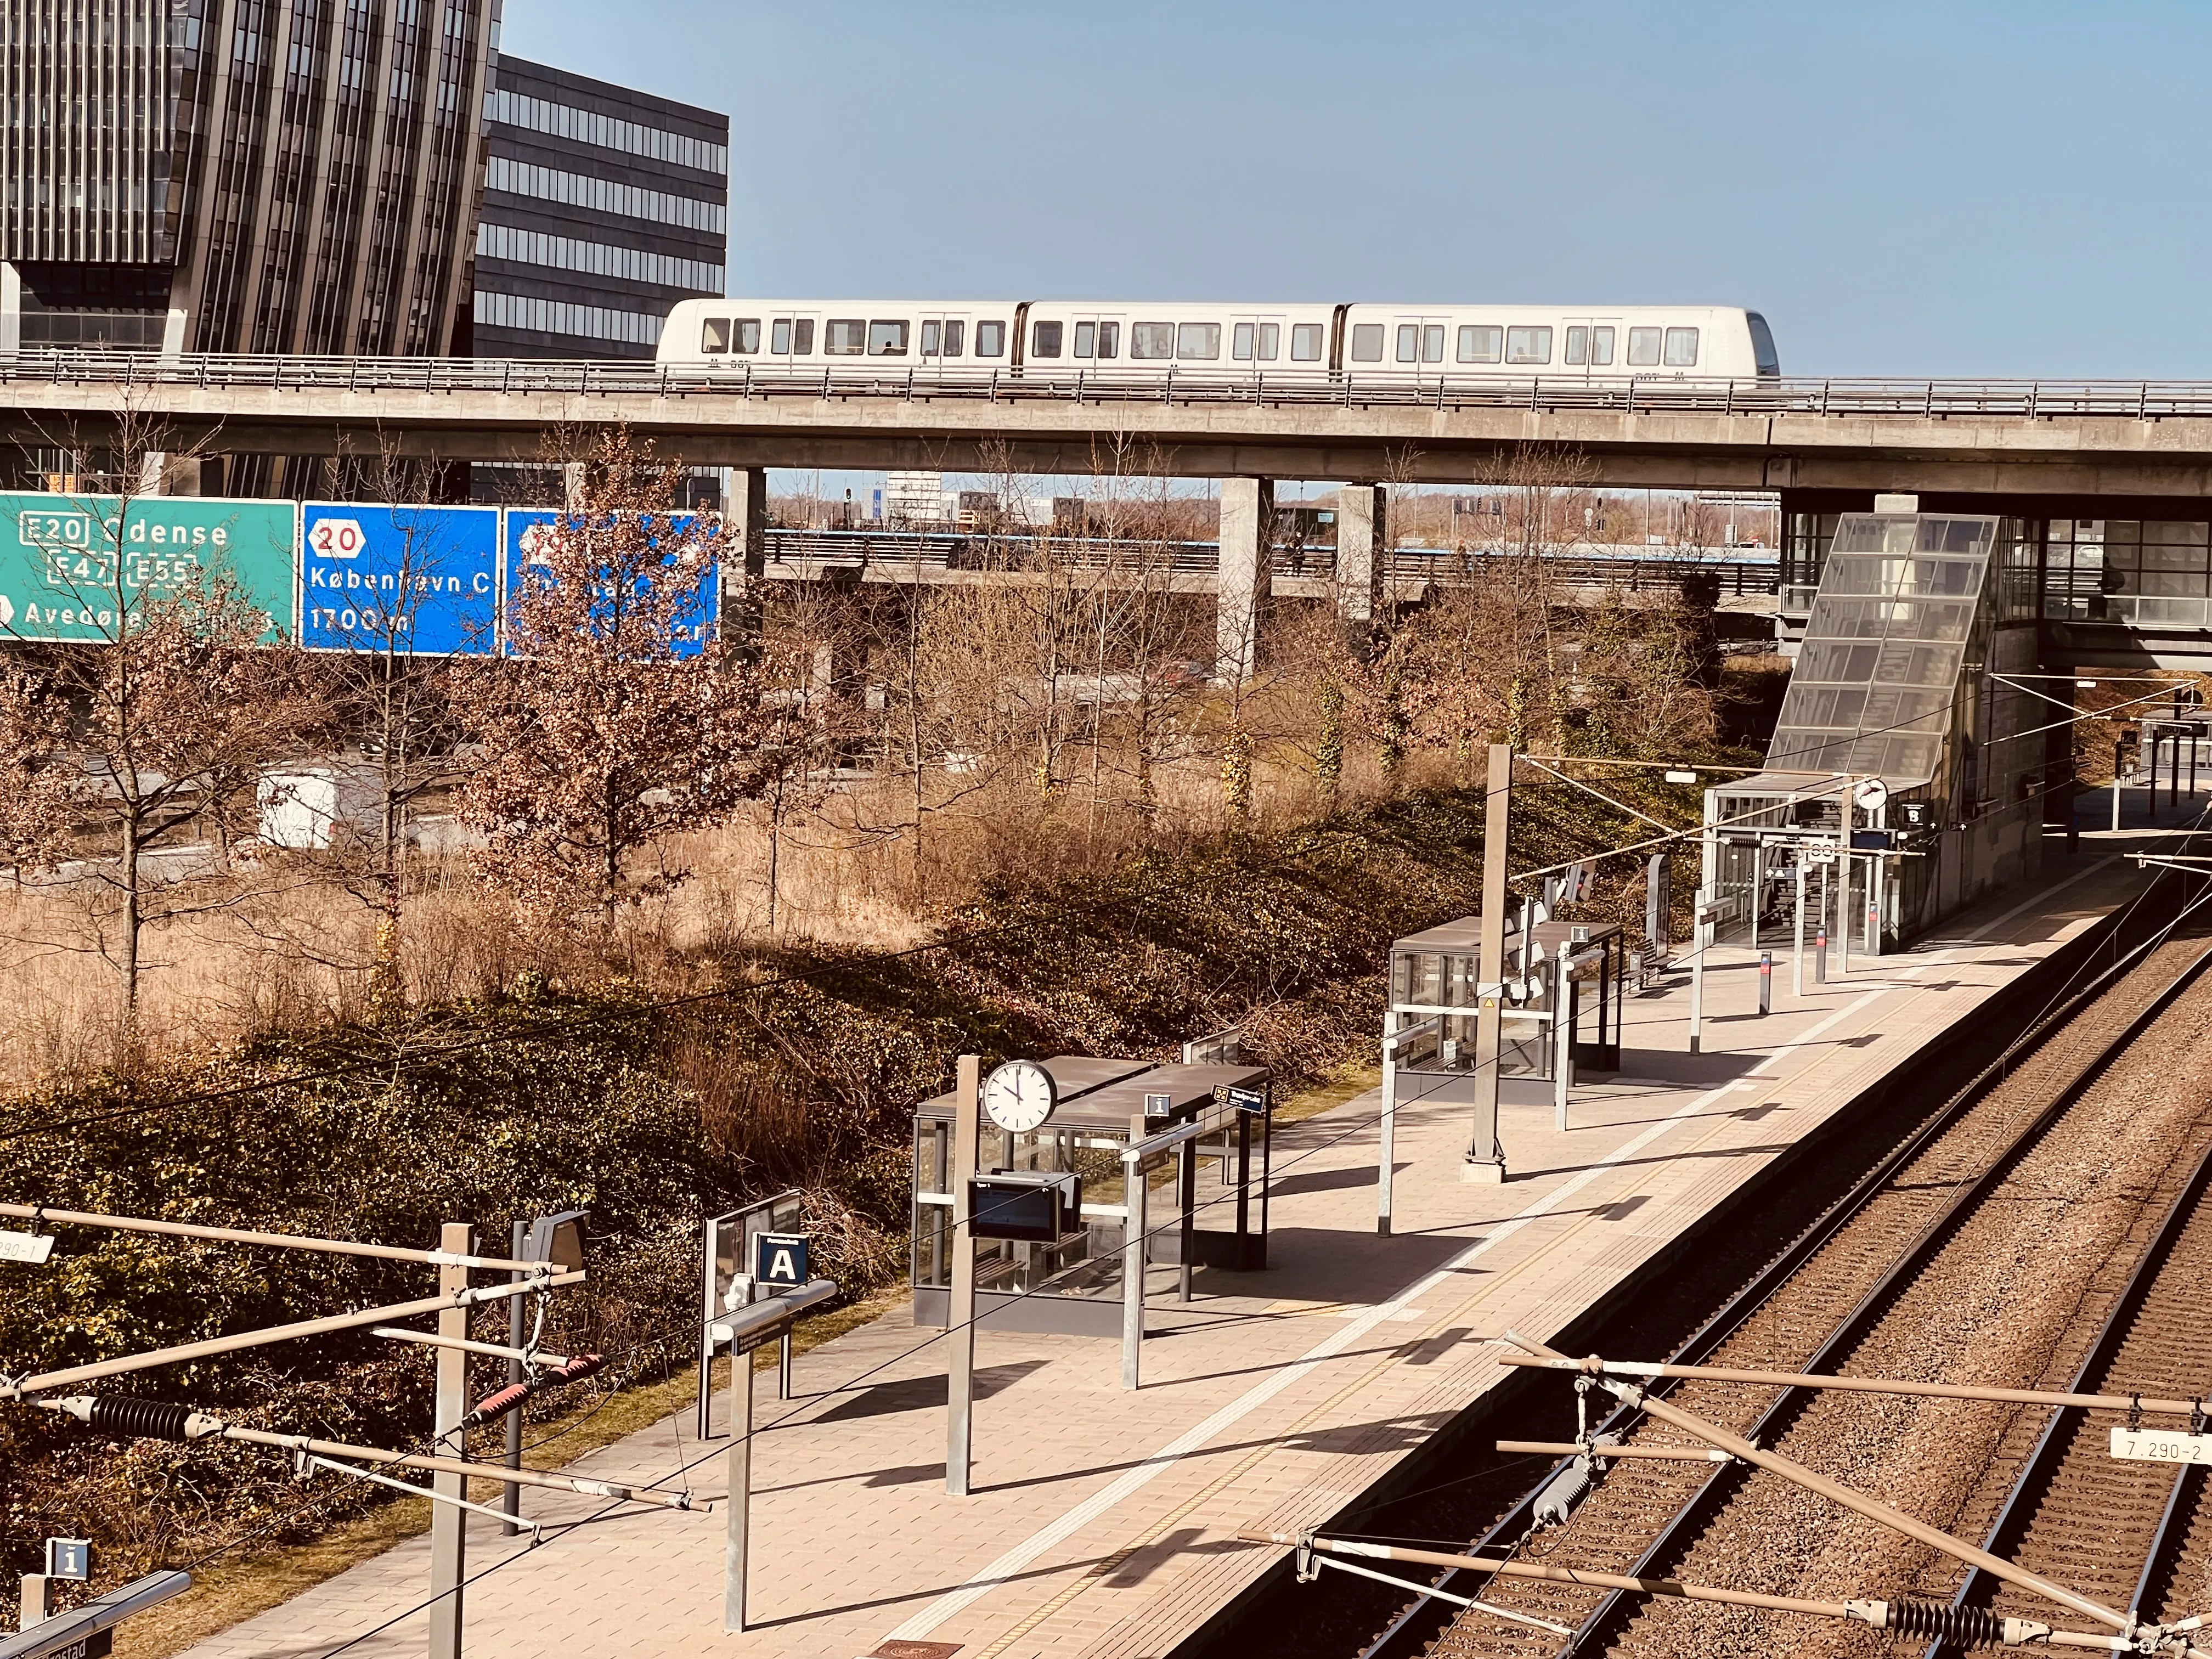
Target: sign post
[
  {"x": 1136, "y": 1182},
  {"x": 1485, "y": 1158},
  {"x": 960, "y": 1313}
]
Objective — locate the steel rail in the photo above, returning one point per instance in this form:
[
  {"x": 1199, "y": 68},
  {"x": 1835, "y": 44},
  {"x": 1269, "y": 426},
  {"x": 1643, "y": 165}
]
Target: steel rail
[
  {"x": 2042, "y": 1466},
  {"x": 1604, "y": 1622},
  {"x": 1917, "y": 399},
  {"x": 1408, "y": 1635}
]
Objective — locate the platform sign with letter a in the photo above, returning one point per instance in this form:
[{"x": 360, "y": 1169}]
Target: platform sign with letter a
[
  {"x": 779, "y": 1260},
  {"x": 401, "y": 580}
]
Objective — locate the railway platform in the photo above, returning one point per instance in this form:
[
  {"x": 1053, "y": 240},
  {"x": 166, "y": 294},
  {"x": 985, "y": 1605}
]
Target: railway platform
[{"x": 1103, "y": 1522}]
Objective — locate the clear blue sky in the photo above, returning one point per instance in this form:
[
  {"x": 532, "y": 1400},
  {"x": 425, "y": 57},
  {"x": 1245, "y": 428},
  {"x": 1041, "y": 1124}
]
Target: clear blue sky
[{"x": 1965, "y": 189}]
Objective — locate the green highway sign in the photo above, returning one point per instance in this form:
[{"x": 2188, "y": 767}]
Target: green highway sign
[{"x": 59, "y": 576}]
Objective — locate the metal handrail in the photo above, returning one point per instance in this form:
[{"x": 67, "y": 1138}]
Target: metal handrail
[{"x": 2139, "y": 400}]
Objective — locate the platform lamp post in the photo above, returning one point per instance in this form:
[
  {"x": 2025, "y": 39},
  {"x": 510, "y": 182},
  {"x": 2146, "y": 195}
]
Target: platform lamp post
[{"x": 1485, "y": 1158}]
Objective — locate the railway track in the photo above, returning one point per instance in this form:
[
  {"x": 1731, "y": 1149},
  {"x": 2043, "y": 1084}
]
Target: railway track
[{"x": 2046, "y": 1181}]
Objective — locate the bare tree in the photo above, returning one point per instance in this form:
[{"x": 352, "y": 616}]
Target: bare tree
[{"x": 616, "y": 724}]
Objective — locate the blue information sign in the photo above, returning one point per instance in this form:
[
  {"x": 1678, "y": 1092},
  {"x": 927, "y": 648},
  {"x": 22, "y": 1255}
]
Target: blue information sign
[
  {"x": 690, "y": 545},
  {"x": 404, "y": 579}
]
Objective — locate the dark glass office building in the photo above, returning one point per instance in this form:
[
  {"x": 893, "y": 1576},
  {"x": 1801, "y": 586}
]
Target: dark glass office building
[
  {"x": 240, "y": 175},
  {"x": 602, "y": 207},
  {"x": 337, "y": 176}
]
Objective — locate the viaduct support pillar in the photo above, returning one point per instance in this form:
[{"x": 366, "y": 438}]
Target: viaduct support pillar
[
  {"x": 1362, "y": 551},
  {"x": 1243, "y": 586},
  {"x": 744, "y": 561}
]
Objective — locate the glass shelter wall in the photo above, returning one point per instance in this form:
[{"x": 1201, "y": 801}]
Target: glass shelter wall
[{"x": 1876, "y": 690}]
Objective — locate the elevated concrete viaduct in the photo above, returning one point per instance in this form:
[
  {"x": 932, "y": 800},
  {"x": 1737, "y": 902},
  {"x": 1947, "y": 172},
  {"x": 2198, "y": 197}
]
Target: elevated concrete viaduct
[{"x": 2037, "y": 452}]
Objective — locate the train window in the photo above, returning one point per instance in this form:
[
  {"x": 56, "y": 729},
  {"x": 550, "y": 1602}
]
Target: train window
[
  {"x": 1681, "y": 348},
  {"x": 1305, "y": 343},
  {"x": 1045, "y": 339},
  {"x": 1151, "y": 339},
  {"x": 1481, "y": 343},
  {"x": 990, "y": 339},
  {"x": 779, "y": 337},
  {"x": 1577, "y": 346},
  {"x": 848, "y": 337},
  {"x": 1271, "y": 342},
  {"x": 1109, "y": 339},
  {"x": 1199, "y": 340},
  {"x": 1086, "y": 339},
  {"x": 932, "y": 336},
  {"x": 956, "y": 335},
  {"x": 1367, "y": 342},
  {"x": 1241, "y": 343},
  {"x": 715, "y": 335},
  {"x": 802, "y": 337},
  {"x": 1601, "y": 346},
  {"x": 887, "y": 339},
  {"x": 1643, "y": 348},
  {"x": 1409, "y": 342},
  {"x": 1528, "y": 345},
  {"x": 1432, "y": 343}
]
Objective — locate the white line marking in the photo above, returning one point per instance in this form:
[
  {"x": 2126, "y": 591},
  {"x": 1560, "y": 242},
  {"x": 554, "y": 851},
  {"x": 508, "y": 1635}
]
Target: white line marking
[{"x": 1133, "y": 1479}]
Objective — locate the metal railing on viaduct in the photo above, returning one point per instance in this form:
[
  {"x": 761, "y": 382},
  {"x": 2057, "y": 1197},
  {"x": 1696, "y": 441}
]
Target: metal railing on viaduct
[{"x": 1984, "y": 436}]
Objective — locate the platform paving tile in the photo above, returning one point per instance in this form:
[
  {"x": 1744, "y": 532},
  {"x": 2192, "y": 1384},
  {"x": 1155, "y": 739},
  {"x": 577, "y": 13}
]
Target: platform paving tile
[{"x": 1103, "y": 1522}]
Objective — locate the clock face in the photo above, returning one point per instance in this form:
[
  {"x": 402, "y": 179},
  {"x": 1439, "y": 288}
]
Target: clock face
[{"x": 1020, "y": 1095}]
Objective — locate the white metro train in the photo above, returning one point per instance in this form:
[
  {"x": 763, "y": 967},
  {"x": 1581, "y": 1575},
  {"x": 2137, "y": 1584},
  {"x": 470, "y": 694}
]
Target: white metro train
[{"x": 1516, "y": 341}]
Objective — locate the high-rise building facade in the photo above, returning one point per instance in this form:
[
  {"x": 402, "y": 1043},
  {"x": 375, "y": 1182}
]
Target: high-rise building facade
[
  {"x": 240, "y": 175},
  {"x": 602, "y": 207}
]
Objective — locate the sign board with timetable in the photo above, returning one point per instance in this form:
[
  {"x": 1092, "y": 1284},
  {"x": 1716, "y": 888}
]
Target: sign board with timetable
[
  {"x": 66, "y": 560},
  {"x": 401, "y": 580}
]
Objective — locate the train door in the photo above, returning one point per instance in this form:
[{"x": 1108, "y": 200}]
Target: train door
[
  {"x": 793, "y": 339},
  {"x": 1258, "y": 341},
  {"x": 1417, "y": 344},
  {"x": 1593, "y": 346},
  {"x": 942, "y": 340},
  {"x": 1096, "y": 339}
]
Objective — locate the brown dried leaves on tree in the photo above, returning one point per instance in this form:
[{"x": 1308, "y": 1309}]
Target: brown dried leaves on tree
[{"x": 613, "y": 725}]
